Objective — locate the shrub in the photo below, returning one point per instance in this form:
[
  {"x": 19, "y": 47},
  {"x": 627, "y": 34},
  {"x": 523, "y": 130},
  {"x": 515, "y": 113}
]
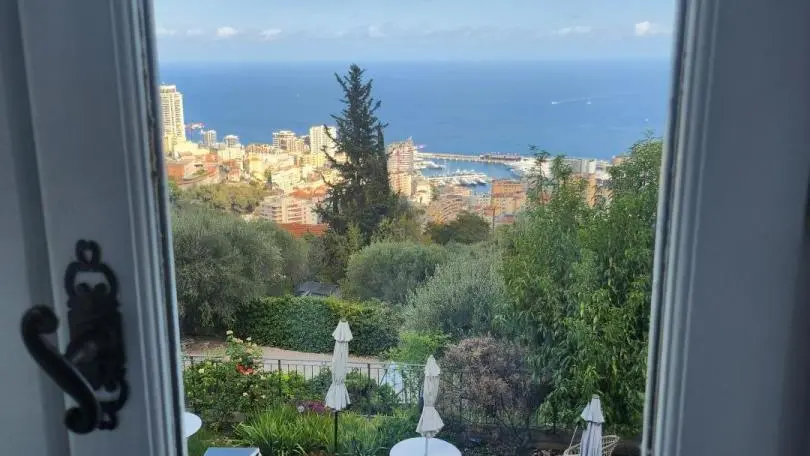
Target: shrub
[
  {"x": 491, "y": 378},
  {"x": 463, "y": 297},
  {"x": 222, "y": 263},
  {"x": 374, "y": 325},
  {"x": 414, "y": 347},
  {"x": 390, "y": 270},
  {"x": 467, "y": 228},
  {"x": 411, "y": 354},
  {"x": 367, "y": 396},
  {"x": 221, "y": 390},
  {"x": 306, "y": 324},
  {"x": 283, "y": 431},
  {"x": 294, "y": 253}
]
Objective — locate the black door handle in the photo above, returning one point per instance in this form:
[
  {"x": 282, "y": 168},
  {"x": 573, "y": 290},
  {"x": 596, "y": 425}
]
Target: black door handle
[
  {"x": 94, "y": 358},
  {"x": 37, "y": 322}
]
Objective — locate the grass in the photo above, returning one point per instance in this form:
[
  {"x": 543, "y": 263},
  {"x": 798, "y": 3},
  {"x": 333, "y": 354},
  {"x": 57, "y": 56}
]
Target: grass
[{"x": 202, "y": 440}]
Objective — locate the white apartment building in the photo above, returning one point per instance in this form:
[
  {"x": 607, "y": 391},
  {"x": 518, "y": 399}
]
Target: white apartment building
[
  {"x": 401, "y": 156},
  {"x": 171, "y": 106},
  {"x": 210, "y": 138},
  {"x": 401, "y": 183},
  {"x": 286, "y": 178},
  {"x": 422, "y": 191},
  {"x": 287, "y": 209},
  {"x": 283, "y": 139},
  {"x": 231, "y": 141},
  {"x": 319, "y": 140}
]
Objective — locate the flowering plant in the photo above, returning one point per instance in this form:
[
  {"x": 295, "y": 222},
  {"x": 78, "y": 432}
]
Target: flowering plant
[
  {"x": 223, "y": 391},
  {"x": 312, "y": 407}
]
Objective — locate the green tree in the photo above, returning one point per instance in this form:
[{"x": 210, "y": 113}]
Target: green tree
[
  {"x": 235, "y": 198},
  {"x": 362, "y": 197},
  {"x": 174, "y": 191},
  {"x": 294, "y": 253},
  {"x": 268, "y": 177},
  {"x": 221, "y": 263},
  {"x": 467, "y": 228},
  {"x": 580, "y": 282},
  {"x": 389, "y": 271},
  {"x": 336, "y": 250},
  {"x": 463, "y": 297},
  {"x": 404, "y": 225}
]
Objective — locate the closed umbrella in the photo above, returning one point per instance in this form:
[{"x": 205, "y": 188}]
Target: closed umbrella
[
  {"x": 430, "y": 423},
  {"x": 337, "y": 398},
  {"x": 591, "y": 444}
]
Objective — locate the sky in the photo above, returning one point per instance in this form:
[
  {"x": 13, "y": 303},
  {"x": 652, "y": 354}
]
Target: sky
[{"x": 404, "y": 30}]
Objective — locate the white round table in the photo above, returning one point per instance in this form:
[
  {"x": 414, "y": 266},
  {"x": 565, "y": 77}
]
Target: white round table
[
  {"x": 416, "y": 447},
  {"x": 191, "y": 424}
]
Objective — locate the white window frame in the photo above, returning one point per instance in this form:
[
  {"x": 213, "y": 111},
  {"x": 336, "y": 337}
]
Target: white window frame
[
  {"x": 96, "y": 157},
  {"x": 730, "y": 339},
  {"x": 729, "y": 336}
]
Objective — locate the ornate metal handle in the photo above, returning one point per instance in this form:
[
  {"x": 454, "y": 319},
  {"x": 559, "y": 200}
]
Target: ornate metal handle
[
  {"x": 37, "y": 322},
  {"x": 94, "y": 358}
]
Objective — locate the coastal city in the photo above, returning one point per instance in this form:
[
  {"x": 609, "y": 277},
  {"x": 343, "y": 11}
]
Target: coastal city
[{"x": 297, "y": 172}]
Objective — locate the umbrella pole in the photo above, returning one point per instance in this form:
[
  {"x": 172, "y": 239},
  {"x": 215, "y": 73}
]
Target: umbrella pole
[
  {"x": 336, "y": 426},
  {"x": 426, "y": 445}
]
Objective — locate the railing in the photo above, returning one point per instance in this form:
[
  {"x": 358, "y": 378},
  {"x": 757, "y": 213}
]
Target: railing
[{"x": 406, "y": 381}]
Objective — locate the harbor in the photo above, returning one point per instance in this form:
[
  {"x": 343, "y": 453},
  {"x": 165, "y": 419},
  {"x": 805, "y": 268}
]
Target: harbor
[
  {"x": 516, "y": 165},
  {"x": 465, "y": 177}
]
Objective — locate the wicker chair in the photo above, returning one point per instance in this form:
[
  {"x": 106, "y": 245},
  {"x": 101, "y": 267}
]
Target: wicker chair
[{"x": 609, "y": 443}]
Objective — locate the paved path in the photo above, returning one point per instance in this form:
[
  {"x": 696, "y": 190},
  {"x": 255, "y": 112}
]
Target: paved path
[{"x": 306, "y": 364}]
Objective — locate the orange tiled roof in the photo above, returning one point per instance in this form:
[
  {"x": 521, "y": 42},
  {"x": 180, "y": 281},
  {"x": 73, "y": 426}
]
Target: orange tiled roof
[
  {"x": 305, "y": 193},
  {"x": 300, "y": 229}
]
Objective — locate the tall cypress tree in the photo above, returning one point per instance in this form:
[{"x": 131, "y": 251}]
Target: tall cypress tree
[{"x": 362, "y": 197}]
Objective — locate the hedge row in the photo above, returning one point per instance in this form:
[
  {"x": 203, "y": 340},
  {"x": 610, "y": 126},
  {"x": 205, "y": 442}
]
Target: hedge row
[{"x": 306, "y": 324}]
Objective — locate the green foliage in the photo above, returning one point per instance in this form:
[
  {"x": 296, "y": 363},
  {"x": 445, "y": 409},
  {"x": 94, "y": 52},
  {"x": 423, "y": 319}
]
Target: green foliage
[
  {"x": 467, "y": 228},
  {"x": 463, "y": 297},
  {"x": 374, "y": 325},
  {"x": 231, "y": 197},
  {"x": 390, "y": 270},
  {"x": 174, "y": 191},
  {"x": 306, "y": 324},
  {"x": 580, "y": 281},
  {"x": 221, "y": 263},
  {"x": 415, "y": 347},
  {"x": 368, "y": 397},
  {"x": 363, "y": 197},
  {"x": 219, "y": 391},
  {"x": 204, "y": 439},
  {"x": 283, "y": 431},
  {"x": 294, "y": 253},
  {"x": 359, "y": 436},
  {"x": 404, "y": 225},
  {"x": 337, "y": 249},
  {"x": 316, "y": 258},
  {"x": 410, "y": 356}
]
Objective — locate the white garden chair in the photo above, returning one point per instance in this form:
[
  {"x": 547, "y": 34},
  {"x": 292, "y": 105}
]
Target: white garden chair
[{"x": 609, "y": 443}]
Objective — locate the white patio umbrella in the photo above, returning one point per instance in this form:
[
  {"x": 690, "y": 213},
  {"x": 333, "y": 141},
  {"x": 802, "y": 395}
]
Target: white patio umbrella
[
  {"x": 337, "y": 398},
  {"x": 591, "y": 443},
  {"x": 430, "y": 423}
]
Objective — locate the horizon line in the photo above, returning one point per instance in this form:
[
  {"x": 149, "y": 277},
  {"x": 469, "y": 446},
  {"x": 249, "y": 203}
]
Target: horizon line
[{"x": 410, "y": 60}]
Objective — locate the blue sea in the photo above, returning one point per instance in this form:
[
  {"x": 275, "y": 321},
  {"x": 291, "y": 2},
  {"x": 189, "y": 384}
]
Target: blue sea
[{"x": 578, "y": 108}]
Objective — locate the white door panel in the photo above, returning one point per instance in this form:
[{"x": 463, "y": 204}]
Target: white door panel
[
  {"x": 31, "y": 406},
  {"x": 88, "y": 102}
]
